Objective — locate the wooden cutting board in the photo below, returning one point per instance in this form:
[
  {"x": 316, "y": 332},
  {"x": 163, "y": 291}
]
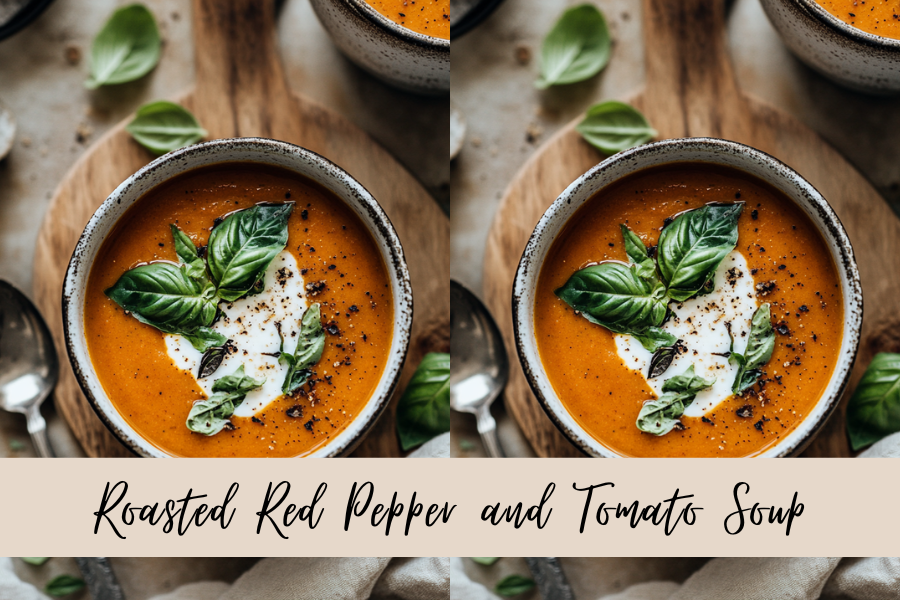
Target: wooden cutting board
[
  {"x": 241, "y": 91},
  {"x": 691, "y": 91}
]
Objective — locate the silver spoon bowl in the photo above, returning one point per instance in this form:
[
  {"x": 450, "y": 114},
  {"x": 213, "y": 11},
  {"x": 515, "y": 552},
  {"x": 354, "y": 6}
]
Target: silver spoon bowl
[
  {"x": 479, "y": 367},
  {"x": 29, "y": 367}
]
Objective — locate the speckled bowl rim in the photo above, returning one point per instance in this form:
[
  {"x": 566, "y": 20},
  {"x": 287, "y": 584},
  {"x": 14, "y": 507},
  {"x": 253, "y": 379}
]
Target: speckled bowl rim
[
  {"x": 845, "y": 29},
  {"x": 529, "y": 269},
  {"x": 395, "y": 29},
  {"x": 384, "y": 233}
]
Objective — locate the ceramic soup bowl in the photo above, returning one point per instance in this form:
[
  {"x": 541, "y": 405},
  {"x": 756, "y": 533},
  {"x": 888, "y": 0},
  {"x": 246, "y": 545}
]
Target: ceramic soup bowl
[
  {"x": 694, "y": 150},
  {"x": 247, "y": 150},
  {"x": 401, "y": 57},
  {"x": 843, "y": 53}
]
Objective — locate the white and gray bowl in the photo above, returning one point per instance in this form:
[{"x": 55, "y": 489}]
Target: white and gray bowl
[
  {"x": 252, "y": 150},
  {"x": 401, "y": 57},
  {"x": 694, "y": 150},
  {"x": 847, "y": 55}
]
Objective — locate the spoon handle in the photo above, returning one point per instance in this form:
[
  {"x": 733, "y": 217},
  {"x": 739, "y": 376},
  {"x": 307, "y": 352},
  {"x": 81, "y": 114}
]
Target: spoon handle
[
  {"x": 487, "y": 427},
  {"x": 37, "y": 427}
]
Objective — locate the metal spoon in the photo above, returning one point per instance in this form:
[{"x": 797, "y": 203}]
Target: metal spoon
[
  {"x": 550, "y": 579},
  {"x": 29, "y": 368},
  {"x": 479, "y": 367},
  {"x": 100, "y": 579}
]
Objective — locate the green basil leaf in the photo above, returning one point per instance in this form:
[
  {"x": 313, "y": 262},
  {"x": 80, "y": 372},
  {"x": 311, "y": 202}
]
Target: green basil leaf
[
  {"x": 126, "y": 49},
  {"x": 242, "y": 246},
  {"x": 486, "y": 561},
  {"x": 187, "y": 254},
  {"x": 760, "y": 345},
  {"x": 637, "y": 255},
  {"x": 615, "y": 126},
  {"x": 237, "y": 383},
  {"x": 687, "y": 383},
  {"x": 164, "y": 126},
  {"x": 204, "y": 339},
  {"x": 63, "y": 585},
  {"x": 577, "y": 48},
  {"x": 874, "y": 409},
  {"x": 513, "y": 585},
  {"x": 163, "y": 296},
  {"x": 308, "y": 351},
  {"x": 613, "y": 296},
  {"x": 660, "y": 416},
  {"x": 424, "y": 409},
  {"x": 654, "y": 339},
  {"x": 35, "y": 561},
  {"x": 693, "y": 245}
]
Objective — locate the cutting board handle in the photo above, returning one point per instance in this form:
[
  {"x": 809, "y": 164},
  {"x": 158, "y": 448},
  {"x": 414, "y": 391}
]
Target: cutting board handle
[
  {"x": 241, "y": 88},
  {"x": 689, "y": 74}
]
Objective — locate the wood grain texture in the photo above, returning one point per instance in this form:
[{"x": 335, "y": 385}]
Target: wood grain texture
[
  {"x": 241, "y": 91},
  {"x": 691, "y": 91}
]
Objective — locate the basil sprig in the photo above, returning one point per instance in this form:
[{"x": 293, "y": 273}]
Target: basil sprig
[
  {"x": 577, "y": 48},
  {"x": 64, "y": 585},
  {"x": 874, "y": 409},
  {"x": 210, "y": 416},
  {"x": 424, "y": 409},
  {"x": 760, "y": 345},
  {"x": 660, "y": 416},
  {"x": 615, "y": 126},
  {"x": 182, "y": 299},
  {"x": 127, "y": 48},
  {"x": 513, "y": 585},
  {"x": 307, "y": 353},
  {"x": 163, "y": 126}
]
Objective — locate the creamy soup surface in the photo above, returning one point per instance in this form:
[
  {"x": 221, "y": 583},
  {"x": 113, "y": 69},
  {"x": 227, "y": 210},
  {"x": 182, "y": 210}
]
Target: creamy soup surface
[
  {"x": 428, "y": 17},
  {"x": 330, "y": 259},
  {"x": 878, "y": 17},
  {"x": 780, "y": 259}
]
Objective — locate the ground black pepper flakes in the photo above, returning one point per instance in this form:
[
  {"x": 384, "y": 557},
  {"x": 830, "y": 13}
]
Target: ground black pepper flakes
[
  {"x": 295, "y": 412},
  {"x": 745, "y": 412}
]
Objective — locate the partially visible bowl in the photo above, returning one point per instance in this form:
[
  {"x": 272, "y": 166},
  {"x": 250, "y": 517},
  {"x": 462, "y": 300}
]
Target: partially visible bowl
[
  {"x": 847, "y": 55},
  {"x": 401, "y": 57}
]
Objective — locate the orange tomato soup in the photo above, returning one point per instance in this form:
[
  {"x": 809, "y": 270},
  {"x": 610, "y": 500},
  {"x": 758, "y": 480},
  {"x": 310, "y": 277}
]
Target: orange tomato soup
[
  {"x": 330, "y": 244},
  {"x": 428, "y": 17},
  {"x": 782, "y": 248},
  {"x": 878, "y": 17}
]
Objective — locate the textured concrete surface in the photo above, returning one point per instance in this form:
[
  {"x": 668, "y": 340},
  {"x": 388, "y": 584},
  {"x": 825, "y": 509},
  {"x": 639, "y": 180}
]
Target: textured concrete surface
[
  {"x": 492, "y": 82},
  {"x": 42, "y": 70}
]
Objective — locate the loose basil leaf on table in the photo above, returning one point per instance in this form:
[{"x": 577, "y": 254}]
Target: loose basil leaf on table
[
  {"x": 424, "y": 409},
  {"x": 874, "y": 409},
  {"x": 614, "y": 296},
  {"x": 36, "y": 561},
  {"x": 63, "y": 585},
  {"x": 210, "y": 416},
  {"x": 486, "y": 561},
  {"x": 760, "y": 345},
  {"x": 164, "y": 126},
  {"x": 126, "y": 49},
  {"x": 243, "y": 245},
  {"x": 613, "y": 126},
  {"x": 513, "y": 585},
  {"x": 660, "y": 416},
  {"x": 163, "y": 296},
  {"x": 310, "y": 345},
  {"x": 577, "y": 48},
  {"x": 693, "y": 246}
]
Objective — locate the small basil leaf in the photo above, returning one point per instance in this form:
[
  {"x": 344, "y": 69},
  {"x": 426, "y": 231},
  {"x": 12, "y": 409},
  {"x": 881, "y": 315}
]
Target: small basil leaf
[
  {"x": 693, "y": 245},
  {"x": 660, "y": 416},
  {"x": 513, "y": 585},
  {"x": 874, "y": 409},
  {"x": 203, "y": 339},
  {"x": 242, "y": 246},
  {"x": 211, "y": 361},
  {"x": 126, "y": 49},
  {"x": 164, "y": 126},
  {"x": 486, "y": 561},
  {"x": 210, "y": 416},
  {"x": 36, "y": 561},
  {"x": 637, "y": 255},
  {"x": 654, "y": 339},
  {"x": 163, "y": 296},
  {"x": 612, "y": 295},
  {"x": 687, "y": 383},
  {"x": 577, "y": 48},
  {"x": 237, "y": 383},
  {"x": 612, "y": 127},
  {"x": 424, "y": 408},
  {"x": 760, "y": 345},
  {"x": 308, "y": 351},
  {"x": 187, "y": 254},
  {"x": 63, "y": 585},
  {"x": 661, "y": 361}
]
